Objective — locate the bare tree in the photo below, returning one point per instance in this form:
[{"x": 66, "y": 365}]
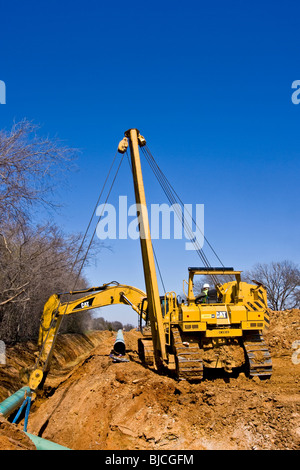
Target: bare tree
[
  {"x": 282, "y": 281},
  {"x": 29, "y": 165},
  {"x": 35, "y": 263}
]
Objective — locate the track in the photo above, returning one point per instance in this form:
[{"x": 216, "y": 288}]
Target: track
[
  {"x": 259, "y": 358},
  {"x": 146, "y": 351},
  {"x": 188, "y": 354}
]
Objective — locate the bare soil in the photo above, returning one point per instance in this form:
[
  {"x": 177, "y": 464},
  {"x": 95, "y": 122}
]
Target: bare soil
[{"x": 91, "y": 402}]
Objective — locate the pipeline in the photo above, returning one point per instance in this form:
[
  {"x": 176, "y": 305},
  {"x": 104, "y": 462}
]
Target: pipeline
[
  {"x": 43, "y": 444},
  {"x": 10, "y": 404},
  {"x": 118, "y": 352},
  {"x": 119, "y": 346}
]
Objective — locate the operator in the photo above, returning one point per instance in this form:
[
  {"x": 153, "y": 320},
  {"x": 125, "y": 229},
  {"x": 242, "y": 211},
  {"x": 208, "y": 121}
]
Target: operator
[{"x": 202, "y": 298}]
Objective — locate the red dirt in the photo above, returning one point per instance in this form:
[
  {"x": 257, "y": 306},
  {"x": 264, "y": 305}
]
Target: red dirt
[{"x": 93, "y": 403}]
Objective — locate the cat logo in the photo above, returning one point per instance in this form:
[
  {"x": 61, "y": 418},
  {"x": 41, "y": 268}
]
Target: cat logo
[{"x": 86, "y": 304}]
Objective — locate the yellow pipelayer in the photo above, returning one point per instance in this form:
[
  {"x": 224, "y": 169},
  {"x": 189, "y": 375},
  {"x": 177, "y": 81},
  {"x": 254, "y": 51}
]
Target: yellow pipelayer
[
  {"x": 225, "y": 332},
  {"x": 189, "y": 336}
]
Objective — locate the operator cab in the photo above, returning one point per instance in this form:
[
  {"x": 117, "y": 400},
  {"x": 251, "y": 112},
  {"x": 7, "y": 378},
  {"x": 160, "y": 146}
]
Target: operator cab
[{"x": 212, "y": 296}]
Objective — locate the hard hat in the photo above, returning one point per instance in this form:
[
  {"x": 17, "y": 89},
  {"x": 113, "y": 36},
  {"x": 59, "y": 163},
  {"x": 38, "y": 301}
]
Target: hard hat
[{"x": 205, "y": 286}]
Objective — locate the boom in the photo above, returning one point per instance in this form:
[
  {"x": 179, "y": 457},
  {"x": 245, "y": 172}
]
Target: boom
[
  {"x": 54, "y": 311},
  {"x": 155, "y": 312}
]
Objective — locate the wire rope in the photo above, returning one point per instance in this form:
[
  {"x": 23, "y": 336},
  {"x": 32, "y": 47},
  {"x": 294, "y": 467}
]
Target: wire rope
[
  {"x": 175, "y": 200},
  {"x": 86, "y": 253}
]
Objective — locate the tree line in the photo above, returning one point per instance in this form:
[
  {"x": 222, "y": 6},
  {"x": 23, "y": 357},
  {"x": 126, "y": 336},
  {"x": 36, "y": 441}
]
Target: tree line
[{"x": 99, "y": 323}]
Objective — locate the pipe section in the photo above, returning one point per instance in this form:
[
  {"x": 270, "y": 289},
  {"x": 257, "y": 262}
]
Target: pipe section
[
  {"x": 119, "y": 346},
  {"x": 43, "y": 444},
  {"x": 10, "y": 404}
]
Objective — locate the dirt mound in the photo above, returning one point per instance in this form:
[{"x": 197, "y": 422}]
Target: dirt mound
[
  {"x": 96, "y": 403},
  {"x": 70, "y": 348},
  {"x": 12, "y": 438},
  {"x": 283, "y": 332}
]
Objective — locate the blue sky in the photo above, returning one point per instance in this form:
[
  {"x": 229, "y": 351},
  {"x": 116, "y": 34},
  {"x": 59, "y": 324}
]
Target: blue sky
[{"x": 209, "y": 86}]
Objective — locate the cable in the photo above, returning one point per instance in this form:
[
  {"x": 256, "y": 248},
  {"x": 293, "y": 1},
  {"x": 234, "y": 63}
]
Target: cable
[
  {"x": 160, "y": 275},
  {"x": 92, "y": 238},
  {"x": 173, "y": 198},
  {"x": 156, "y": 260},
  {"x": 183, "y": 204},
  {"x": 91, "y": 241},
  {"x": 77, "y": 255},
  {"x": 95, "y": 208}
]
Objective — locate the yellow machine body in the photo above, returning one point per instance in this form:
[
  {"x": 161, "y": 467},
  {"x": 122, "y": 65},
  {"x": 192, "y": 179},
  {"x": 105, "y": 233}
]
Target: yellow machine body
[
  {"x": 225, "y": 333},
  {"x": 240, "y": 306}
]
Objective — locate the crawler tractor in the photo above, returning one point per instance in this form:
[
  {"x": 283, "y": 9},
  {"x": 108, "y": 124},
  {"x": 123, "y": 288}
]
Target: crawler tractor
[{"x": 225, "y": 332}]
